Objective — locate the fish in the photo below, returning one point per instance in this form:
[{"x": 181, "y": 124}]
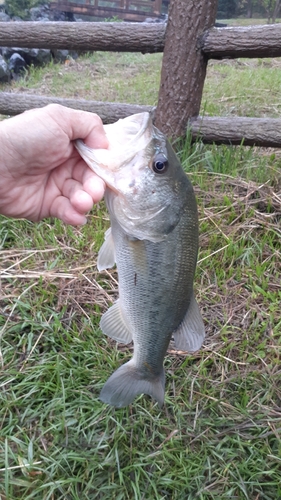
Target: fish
[{"x": 153, "y": 239}]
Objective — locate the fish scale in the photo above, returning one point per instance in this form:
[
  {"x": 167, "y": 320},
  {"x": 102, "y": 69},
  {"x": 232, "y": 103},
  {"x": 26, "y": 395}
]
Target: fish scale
[
  {"x": 150, "y": 305},
  {"x": 154, "y": 242}
]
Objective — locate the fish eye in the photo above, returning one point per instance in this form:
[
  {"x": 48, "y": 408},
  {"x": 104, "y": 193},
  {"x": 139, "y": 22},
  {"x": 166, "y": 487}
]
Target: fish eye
[{"x": 160, "y": 164}]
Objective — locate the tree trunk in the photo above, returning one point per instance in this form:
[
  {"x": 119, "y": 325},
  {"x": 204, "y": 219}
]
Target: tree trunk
[
  {"x": 249, "y": 9},
  {"x": 276, "y": 11},
  {"x": 184, "y": 65}
]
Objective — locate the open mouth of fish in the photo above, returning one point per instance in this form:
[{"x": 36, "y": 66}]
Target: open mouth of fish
[{"x": 127, "y": 137}]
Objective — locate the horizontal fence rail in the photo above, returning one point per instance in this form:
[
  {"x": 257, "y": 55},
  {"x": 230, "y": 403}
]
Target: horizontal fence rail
[
  {"x": 249, "y": 41},
  {"x": 264, "y": 132},
  {"x": 242, "y": 41},
  {"x": 110, "y": 112},
  {"x": 253, "y": 41},
  {"x": 117, "y": 37}
]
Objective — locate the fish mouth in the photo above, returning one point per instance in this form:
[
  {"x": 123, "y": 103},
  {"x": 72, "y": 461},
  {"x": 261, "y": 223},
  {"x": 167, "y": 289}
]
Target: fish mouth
[
  {"x": 100, "y": 169},
  {"x": 126, "y": 138}
]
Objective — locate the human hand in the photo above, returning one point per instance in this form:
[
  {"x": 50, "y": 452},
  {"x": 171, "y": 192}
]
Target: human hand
[{"x": 41, "y": 172}]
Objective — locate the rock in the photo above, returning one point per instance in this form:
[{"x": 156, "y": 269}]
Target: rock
[
  {"x": 60, "y": 55},
  {"x": 4, "y": 70},
  {"x": 58, "y": 15},
  {"x": 41, "y": 13},
  {"x": 162, "y": 19},
  {"x": 70, "y": 17},
  {"x": 220, "y": 25},
  {"x": 17, "y": 64},
  {"x": 7, "y": 52},
  {"x": 74, "y": 55},
  {"x": 18, "y": 59},
  {"x": 4, "y": 18},
  {"x": 35, "y": 13},
  {"x": 41, "y": 57},
  {"x": 37, "y": 57}
]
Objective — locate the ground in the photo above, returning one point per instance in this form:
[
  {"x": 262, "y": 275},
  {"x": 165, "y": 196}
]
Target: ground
[{"x": 218, "y": 434}]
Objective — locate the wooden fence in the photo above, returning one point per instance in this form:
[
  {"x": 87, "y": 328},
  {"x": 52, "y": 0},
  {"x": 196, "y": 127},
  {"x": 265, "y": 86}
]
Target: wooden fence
[
  {"x": 189, "y": 40},
  {"x": 129, "y": 10}
]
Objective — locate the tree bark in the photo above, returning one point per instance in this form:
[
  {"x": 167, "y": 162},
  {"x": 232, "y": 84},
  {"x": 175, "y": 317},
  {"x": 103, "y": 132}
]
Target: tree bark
[
  {"x": 184, "y": 64},
  {"x": 110, "y": 112},
  {"x": 276, "y": 11},
  {"x": 242, "y": 41},
  {"x": 249, "y": 9},
  {"x": 116, "y": 37},
  {"x": 265, "y": 132}
]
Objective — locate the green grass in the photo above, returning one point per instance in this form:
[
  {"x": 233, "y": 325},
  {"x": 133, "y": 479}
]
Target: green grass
[
  {"x": 218, "y": 435},
  {"x": 98, "y": 76},
  {"x": 135, "y": 78},
  {"x": 231, "y": 85}
]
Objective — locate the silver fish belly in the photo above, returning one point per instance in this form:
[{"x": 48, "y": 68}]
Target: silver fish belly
[{"x": 156, "y": 269}]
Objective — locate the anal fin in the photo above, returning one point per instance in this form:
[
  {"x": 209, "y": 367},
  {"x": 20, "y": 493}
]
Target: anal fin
[
  {"x": 113, "y": 325},
  {"x": 106, "y": 256},
  {"x": 191, "y": 333}
]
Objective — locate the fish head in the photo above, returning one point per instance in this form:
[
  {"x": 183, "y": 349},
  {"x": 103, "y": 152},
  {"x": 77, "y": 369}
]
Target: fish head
[{"x": 146, "y": 185}]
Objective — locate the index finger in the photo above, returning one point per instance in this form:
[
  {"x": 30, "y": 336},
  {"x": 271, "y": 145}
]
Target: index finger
[{"x": 80, "y": 124}]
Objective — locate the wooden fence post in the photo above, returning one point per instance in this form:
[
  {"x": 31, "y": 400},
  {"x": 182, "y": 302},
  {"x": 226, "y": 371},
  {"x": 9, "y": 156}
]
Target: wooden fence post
[{"x": 184, "y": 64}]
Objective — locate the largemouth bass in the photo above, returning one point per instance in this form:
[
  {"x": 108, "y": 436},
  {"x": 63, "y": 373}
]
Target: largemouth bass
[{"x": 154, "y": 241}]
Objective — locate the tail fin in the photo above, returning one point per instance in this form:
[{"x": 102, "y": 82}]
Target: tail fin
[{"x": 128, "y": 382}]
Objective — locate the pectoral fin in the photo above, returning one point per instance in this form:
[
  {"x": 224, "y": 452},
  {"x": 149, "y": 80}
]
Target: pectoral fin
[
  {"x": 106, "y": 256},
  {"x": 114, "y": 326},
  {"x": 191, "y": 332}
]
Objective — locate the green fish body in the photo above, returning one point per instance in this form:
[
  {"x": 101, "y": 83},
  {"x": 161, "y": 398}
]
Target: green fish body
[{"x": 154, "y": 241}]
